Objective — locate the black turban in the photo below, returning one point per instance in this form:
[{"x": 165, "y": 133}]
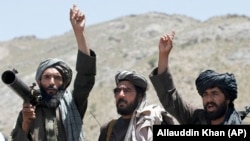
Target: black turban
[
  {"x": 133, "y": 77},
  {"x": 60, "y": 65},
  {"x": 225, "y": 82}
]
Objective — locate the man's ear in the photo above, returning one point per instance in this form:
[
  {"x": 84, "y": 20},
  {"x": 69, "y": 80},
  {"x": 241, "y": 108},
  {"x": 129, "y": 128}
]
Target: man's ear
[
  {"x": 64, "y": 87},
  {"x": 140, "y": 97},
  {"x": 39, "y": 82},
  {"x": 228, "y": 101}
]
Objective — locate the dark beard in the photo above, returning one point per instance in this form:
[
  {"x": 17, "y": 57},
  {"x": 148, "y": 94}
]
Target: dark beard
[
  {"x": 51, "y": 101},
  {"x": 222, "y": 108},
  {"x": 127, "y": 110}
]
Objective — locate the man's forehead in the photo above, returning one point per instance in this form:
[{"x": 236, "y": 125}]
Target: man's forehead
[
  {"x": 51, "y": 71},
  {"x": 125, "y": 83},
  {"x": 213, "y": 89}
]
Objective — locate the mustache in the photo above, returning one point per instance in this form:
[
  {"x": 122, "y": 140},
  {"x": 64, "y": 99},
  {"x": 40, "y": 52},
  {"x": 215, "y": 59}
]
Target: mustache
[
  {"x": 121, "y": 100},
  {"x": 211, "y": 103},
  {"x": 51, "y": 87}
]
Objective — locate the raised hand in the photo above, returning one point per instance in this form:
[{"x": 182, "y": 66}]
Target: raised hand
[
  {"x": 166, "y": 43},
  {"x": 165, "y": 46},
  {"x": 77, "y": 19}
]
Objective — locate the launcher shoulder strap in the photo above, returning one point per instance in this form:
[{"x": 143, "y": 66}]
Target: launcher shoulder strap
[{"x": 110, "y": 128}]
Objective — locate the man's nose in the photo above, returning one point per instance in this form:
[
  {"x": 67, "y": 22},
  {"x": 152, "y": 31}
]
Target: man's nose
[
  {"x": 210, "y": 98},
  {"x": 52, "y": 80},
  {"x": 121, "y": 93}
]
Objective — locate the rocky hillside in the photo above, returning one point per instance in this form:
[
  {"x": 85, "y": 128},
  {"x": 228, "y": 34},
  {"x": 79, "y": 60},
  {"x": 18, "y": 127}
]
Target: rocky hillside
[{"x": 130, "y": 43}]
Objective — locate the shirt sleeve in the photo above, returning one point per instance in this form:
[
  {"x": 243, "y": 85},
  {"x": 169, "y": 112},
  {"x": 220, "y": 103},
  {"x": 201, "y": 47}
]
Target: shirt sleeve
[
  {"x": 169, "y": 97},
  {"x": 85, "y": 80}
]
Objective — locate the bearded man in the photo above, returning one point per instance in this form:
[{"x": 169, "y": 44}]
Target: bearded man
[
  {"x": 137, "y": 118},
  {"x": 58, "y": 115},
  {"x": 218, "y": 92}
]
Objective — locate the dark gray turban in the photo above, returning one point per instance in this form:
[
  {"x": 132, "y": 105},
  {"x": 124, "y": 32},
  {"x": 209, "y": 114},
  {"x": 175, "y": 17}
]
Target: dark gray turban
[
  {"x": 60, "y": 65},
  {"x": 225, "y": 82},
  {"x": 133, "y": 77}
]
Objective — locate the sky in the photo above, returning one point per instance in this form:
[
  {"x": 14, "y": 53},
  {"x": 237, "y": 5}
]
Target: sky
[{"x": 47, "y": 18}]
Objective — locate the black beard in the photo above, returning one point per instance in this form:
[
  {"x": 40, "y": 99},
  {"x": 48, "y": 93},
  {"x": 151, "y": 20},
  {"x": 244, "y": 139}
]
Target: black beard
[
  {"x": 127, "y": 110},
  {"x": 222, "y": 108},
  {"x": 51, "y": 101}
]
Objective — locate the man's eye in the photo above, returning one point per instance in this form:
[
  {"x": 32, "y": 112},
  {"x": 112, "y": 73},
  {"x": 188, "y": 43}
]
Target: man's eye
[
  {"x": 46, "y": 76},
  {"x": 117, "y": 90},
  {"x": 126, "y": 90},
  {"x": 58, "y": 77}
]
